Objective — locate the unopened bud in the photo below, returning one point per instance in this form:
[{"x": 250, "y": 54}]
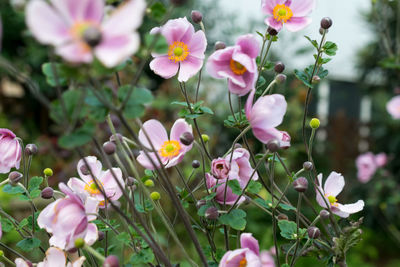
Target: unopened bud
[
  {"x": 111, "y": 261},
  {"x": 279, "y": 67},
  {"x": 178, "y": 2},
  {"x": 48, "y": 172},
  {"x": 315, "y": 79},
  {"x": 326, "y": 23},
  {"x": 84, "y": 170},
  {"x": 109, "y": 148},
  {"x": 195, "y": 164},
  {"x": 200, "y": 203},
  {"x": 205, "y": 137},
  {"x": 155, "y": 195},
  {"x": 237, "y": 146},
  {"x": 212, "y": 213},
  {"x": 313, "y": 232},
  {"x": 282, "y": 217},
  {"x": 101, "y": 235},
  {"x": 186, "y": 138},
  {"x": 280, "y": 78},
  {"x": 31, "y": 149},
  {"x": 273, "y": 145},
  {"x": 300, "y": 184},
  {"x": 92, "y": 36},
  {"x": 324, "y": 214},
  {"x": 79, "y": 243},
  {"x": 271, "y": 31},
  {"x": 314, "y": 123},
  {"x": 130, "y": 181},
  {"x": 197, "y": 17},
  {"x": 47, "y": 193},
  {"x": 14, "y": 177},
  {"x": 219, "y": 45},
  {"x": 114, "y": 137},
  {"x": 322, "y": 31},
  {"x": 149, "y": 183},
  {"x": 307, "y": 165}
]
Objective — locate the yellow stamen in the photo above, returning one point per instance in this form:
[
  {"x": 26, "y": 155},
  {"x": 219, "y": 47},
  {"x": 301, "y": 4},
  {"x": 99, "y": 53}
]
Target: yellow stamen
[
  {"x": 170, "y": 149},
  {"x": 243, "y": 263},
  {"x": 178, "y": 52},
  {"x": 237, "y": 68},
  {"x": 92, "y": 188},
  {"x": 282, "y": 13},
  {"x": 77, "y": 31}
]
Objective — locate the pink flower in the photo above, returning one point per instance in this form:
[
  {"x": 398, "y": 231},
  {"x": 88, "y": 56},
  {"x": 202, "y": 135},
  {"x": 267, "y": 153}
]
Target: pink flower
[
  {"x": 292, "y": 13},
  {"x": 185, "y": 52},
  {"x": 105, "y": 179},
  {"x": 333, "y": 186},
  {"x": 266, "y": 114},
  {"x": 367, "y": 165},
  {"x": 10, "y": 151},
  {"x": 170, "y": 150},
  {"x": 267, "y": 259},
  {"x": 237, "y": 64},
  {"x": 393, "y": 107},
  {"x": 248, "y": 255},
  {"x": 54, "y": 257},
  {"x": 68, "y": 219},
  {"x": 381, "y": 159},
  {"x": 79, "y": 32},
  {"x": 239, "y": 169}
]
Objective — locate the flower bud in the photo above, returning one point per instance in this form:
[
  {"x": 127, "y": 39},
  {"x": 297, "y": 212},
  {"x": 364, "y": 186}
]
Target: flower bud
[
  {"x": 178, "y": 2},
  {"x": 280, "y": 78},
  {"x": 15, "y": 177},
  {"x": 314, "y": 123},
  {"x": 273, "y": 145},
  {"x": 197, "y": 17},
  {"x": 300, "y": 184},
  {"x": 315, "y": 79},
  {"x": 186, "y": 138},
  {"x": 195, "y": 164},
  {"x": 79, "y": 243},
  {"x": 308, "y": 166},
  {"x": 326, "y": 23},
  {"x": 313, "y": 232},
  {"x": 48, "y": 172},
  {"x": 47, "y": 193},
  {"x": 92, "y": 36},
  {"x": 237, "y": 146},
  {"x": 109, "y": 148},
  {"x": 200, "y": 203},
  {"x": 1, "y": 253},
  {"x": 149, "y": 183},
  {"x": 155, "y": 195},
  {"x": 111, "y": 261},
  {"x": 219, "y": 45},
  {"x": 282, "y": 217},
  {"x": 101, "y": 235},
  {"x": 205, "y": 137},
  {"x": 114, "y": 137},
  {"x": 279, "y": 67},
  {"x": 212, "y": 213},
  {"x": 324, "y": 214},
  {"x": 84, "y": 170},
  {"x": 322, "y": 31},
  {"x": 130, "y": 181},
  {"x": 271, "y": 31},
  {"x": 31, "y": 149}
]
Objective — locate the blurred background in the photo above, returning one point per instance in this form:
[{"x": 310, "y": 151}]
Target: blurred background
[{"x": 350, "y": 103}]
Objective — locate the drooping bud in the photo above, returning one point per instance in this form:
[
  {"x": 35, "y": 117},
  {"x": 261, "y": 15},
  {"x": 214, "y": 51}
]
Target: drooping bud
[
  {"x": 324, "y": 214},
  {"x": 84, "y": 170},
  {"x": 308, "y": 166},
  {"x": 205, "y": 138},
  {"x": 313, "y": 232},
  {"x": 197, "y": 17},
  {"x": 31, "y": 149},
  {"x": 212, "y": 213},
  {"x": 195, "y": 164},
  {"x": 273, "y": 145},
  {"x": 155, "y": 195},
  {"x": 219, "y": 45},
  {"x": 79, "y": 243},
  {"x": 149, "y": 183},
  {"x": 109, "y": 147},
  {"x": 186, "y": 138},
  {"x": 111, "y": 261},
  {"x": 114, "y": 137},
  {"x": 15, "y": 177},
  {"x": 326, "y": 23},
  {"x": 271, "y": 31},
  {"x": 282, "y": 217},
  {"x": 101, "y": 236},
  {"x": 279, "y": 67},
  {"x": 200, "y": 203},
  {"x": 48, "y": 172},
  {"x": 280, "y": 78},
  {"x": 300, "y": 184},
  {"x": 47, "y": 193},
  {"x": 314, "y": 123},
  {"x": 92, "y": 36}
]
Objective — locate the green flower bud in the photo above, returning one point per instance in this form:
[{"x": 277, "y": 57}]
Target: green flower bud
[
  {"x": 205, "y": 137},
  {"x": 48, "y": 172},
  {"x": 149, "y": 183},
  {"x": 79, "y": 242},
  {"x": 155, "y": 195},
  {"x": 314, "y": 123}
]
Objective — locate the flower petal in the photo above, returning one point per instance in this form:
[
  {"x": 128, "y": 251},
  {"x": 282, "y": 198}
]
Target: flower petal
[
  {"x": 249, "y": 45},
  {"x": 189, "y": 68},
  {"x": 145, "y": 161},
  {"x": 55, "y": 257},
  {"x": 80, "y": 10},
  {"x": 75, "y": 52},
  {"x": 153, "y": 132},
  {"x": 164, "y": 67},
  {"x": 248, "y": 241},
  {"x": 303, "y": 7},
  {"x": 198, "y": 44},
  {"x": 181, "y": 126},
  {"x": 273, "y": 23},
  {"x": 175, "y": 29},
  {"x": 352, "y": 208},
  {"x": 334, "y": 184},
  {"x": 94, "y": 165},
  {"x": 91, "y": 234},
  {"x": 297, "y": 23},
  {"x": 269, "y": 5}
]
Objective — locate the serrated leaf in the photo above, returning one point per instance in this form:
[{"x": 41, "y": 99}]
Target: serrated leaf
[
  {"x": 34, "y": 183},
  {"x": 302, "y": 76},
  {"x": 55, "y": 75},
  {"x": 12, "y": 190},
  {"x": 28, "y": 244},
  {"x": 254, "y": 187},
  {"x": 330, "y": 48},
  {"x": 289, "y": 229},
  {"x": 235, "y": 187},
  {"x": 235, "y": 219},
  {"x": 35, "y": 193},
  {"x": 142, "y": 257},
  {"x": 6, "y": 225}
]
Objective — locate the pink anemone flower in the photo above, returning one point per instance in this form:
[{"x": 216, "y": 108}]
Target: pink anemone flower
[
  {"x": 185, "y": 53},
  {"x": 291, "y": 13},
  {"x": 266, "y": 114},
  {"x": 247, "y": 255},
  {"x": 68, "y": 219},
  {"x": 237, "y": 64},
  {"x": 170, "y": 150},
  {"x": 10, "y": 151},
  {"x": 393, "y": 107},
  {"x": 334, "y": 184},
  {"x": 105, "y": 180},
  {"x": 55, "y": 257},
  {"x": 78, "y": 30}
]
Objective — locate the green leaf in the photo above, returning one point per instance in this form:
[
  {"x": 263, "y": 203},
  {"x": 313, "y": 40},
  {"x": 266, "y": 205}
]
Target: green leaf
[
  {"x": 23, "y": 223},
  {"x": 71, "y": 99},
  {"x": 235, "y": 219},
  {"x": 135, "y": 105},
  {"x": 55, "y": 74},
  {"x": 78, "y": 137},
  {"x": 289, "y": 229},
  {"x": 35, "y": 193},
  {"x": 34, "y": 183},
  {"x": 254, "y": 187},
  {"x": 206, "y": 110},
  {"x": 313, "y": 42},
  {"x": 143, "y": 256},
  {"x": 286, "y": 207},
  {"x": 302, "y": 76},
  {"x": 147, "y": 206},
  {"x": 95, "y": 108},
  {"x": 330, "y": 48},
  {"x": 210, "y": 196},
  {"x": 124, "y": 237},
  {"x": 157, "y": 11},
  {"x": 12, "y": 190},
  {"x": 28, "y": 244},
  {"x": 202, "y": 210},
  {"x": 235, "y": 186},
  {"x": 6, "y": 225}
]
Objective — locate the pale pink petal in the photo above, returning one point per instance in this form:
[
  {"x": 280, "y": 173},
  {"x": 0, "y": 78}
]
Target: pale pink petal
[
  {"x": 248, "y": 241},
  {"x": 111, "y": 186},
  {"x": 154, "y": 131},
  {"x": 21, "y": 263},
  {"x": 266, "y": 259},
  {"x": 77, "y": 185},
  {"x": 175, "y": 160},
  {"x": 249, "y": 104},
  {"x": 319, "y": 197},
  {"x": 297, "y": 23},
  {"x": 248, "y": 62},
  {"x": 45, "y": 24},
  {"x": 381, "y": 159},
  {"x": 75, "y": 52},
  {"x": 334, "y": 184},
  {"x": 189, "y": 67},
  {"x": 198, "y": 44},
  {"x": 249, "y": 45},
  {"x": 393, "y": 107},
  {"x": 146, "y": 162},
  {"x": 45, "y": 218},
  {"x": 269, "y": 5},
  {"x": 164, "y": 67},
  {"x": 77, "y": 263},
  {"x": 55, "y": 257},
  {"x": 175, "y": 29},
  {"x": 181, "y": 126},
  {"x": 80, "y": 10},
  {"x": 268, "y": 111},
  {"x": 94, "y": 165},
  {"x": 352, "y": 208},
  {"x": 277, "y": 25},
  {"x": 301, "y": 8},
  {"x": 91, "y": 207},
  {"x": 91, "y": 234}
]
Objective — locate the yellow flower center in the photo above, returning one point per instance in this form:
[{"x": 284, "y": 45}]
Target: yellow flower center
[
  {"x": 243, "y": 263},
  {"x": 77, "y": 31},
  {"x": 332, "y": 200},
  {"x": 282, "y": 13},
  {"x": 178, "y": 52},
  {"x": 92, "y": 188},
  {"x": 237, "y": 68},
  {"x": 170, "y": 149}
]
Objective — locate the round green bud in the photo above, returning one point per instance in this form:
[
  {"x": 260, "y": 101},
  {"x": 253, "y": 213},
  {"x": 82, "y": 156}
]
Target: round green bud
[
  {"x": 205, "y": 137},
  {"x": 314, "y": 123},
  {"x": 48, "y": 172},
  {"x": 155, "y": 195},
  {"x": 1, "y": 253},
  {"x": 79, "y": 242},
  {"x": 149, "y": 183}
]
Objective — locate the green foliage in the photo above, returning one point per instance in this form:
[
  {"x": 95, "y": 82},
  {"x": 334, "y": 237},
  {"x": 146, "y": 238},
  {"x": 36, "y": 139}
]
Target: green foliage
[
  {"x": 28, "y": 244},
  {"x": 238, "y": 121},
  {"x": 135, "y": 105},
  {"x": 6, "y": 225},
  {"x": 235, "y": 219},
  {"x": 306, "y": 75},
  {"x": 289, "y": 230},
  {"x": 145, "y": 255},
  {"x": 34, "y": 183},
  {"x": 330, "y": 48},
  {"x": 72, "y": 103},
  {"x": 157, "y": 11},
  {"x": 12, "y": 190},
  {"x": 197, "y": 108},
  {"x": 349, "y": 237},
  {"x": 235, "y": 186},
  {"x": 147, "y": 206},
  {"x": 254, "y": 187},
  {"x": 78, "y": 137}
]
